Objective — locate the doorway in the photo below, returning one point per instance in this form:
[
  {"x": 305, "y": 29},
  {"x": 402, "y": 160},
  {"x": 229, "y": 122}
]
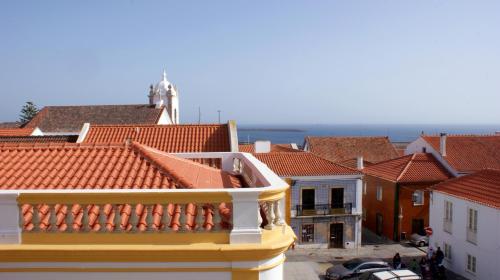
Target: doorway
[
  {"x": 337, "y": 200},
  {"x": 379, "y": 224},
  {"x": 417, "y": 226},
  {"x": 337, "y": 235}
]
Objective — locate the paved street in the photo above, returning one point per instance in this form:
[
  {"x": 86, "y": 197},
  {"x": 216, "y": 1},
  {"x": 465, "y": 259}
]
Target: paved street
[{"x": 311, "y": 264}]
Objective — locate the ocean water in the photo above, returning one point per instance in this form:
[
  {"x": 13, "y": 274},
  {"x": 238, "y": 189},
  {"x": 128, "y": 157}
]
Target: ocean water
[{"x": 397, "y": 133}]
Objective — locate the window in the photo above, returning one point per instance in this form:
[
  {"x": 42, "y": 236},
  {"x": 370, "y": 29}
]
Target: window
[
  {"x": 472, "y": 220},
  {"x": 308, "y": 198},
  {"x": 471, "y": 263},
  {"x": 379, "y": 193},
  {"x": 448, "y": 216},
  {"x": 447, "y": 251},
  {"x": 472, "y": 225},
  {"x": 448, "y": 211},
  {"x": 418, "y": 198},
  {"x": 364, "y": 188},
  {"x": 308, "y": 233}
]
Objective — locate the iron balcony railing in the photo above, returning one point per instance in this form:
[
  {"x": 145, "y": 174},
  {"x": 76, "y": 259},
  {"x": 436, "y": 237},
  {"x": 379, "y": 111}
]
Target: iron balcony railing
[{"x": 323, "y": 209}]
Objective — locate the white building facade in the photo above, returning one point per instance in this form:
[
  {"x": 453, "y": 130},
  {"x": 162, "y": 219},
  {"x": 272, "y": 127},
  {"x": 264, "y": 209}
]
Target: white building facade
[{"x": 469, "y": 235}]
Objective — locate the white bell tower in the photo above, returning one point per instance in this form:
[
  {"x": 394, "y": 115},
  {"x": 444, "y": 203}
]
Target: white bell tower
[{"x": 164, "y": 94}]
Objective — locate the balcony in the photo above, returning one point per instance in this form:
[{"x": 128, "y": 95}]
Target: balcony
[
  {"x": 447, "y": 225},
  {"x": 170, "y": 217},
  {"x": 323, "y": 209}
]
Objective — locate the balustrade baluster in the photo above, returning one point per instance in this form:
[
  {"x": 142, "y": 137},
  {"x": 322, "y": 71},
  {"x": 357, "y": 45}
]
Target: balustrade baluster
[
  {"x": 278, "y": 218},
  {"x": 200, "y": 218},
  {"x": 182, "y": 217},
  {"x": 102, "y": 218},
  {"x": 133, "y": 218},
  {"x": 165, "y": 219},
  {"x": 259, "y": 216},
  {"x": 216, "y": 219},
  {"x": 117, "y": 220},
  {"x": 69, "y": 218},
  {"x": 35, "y": 220},
  {"x": 149, "y": 217},
  {"x": 85, "y": 219},
  {"x": 269, "y": 215},
  {"x": 52, "y": 218}
]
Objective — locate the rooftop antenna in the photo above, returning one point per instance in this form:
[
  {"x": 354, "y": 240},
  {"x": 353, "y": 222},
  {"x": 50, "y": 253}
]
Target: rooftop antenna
[
  {"x": 218, "y": 111},
  {"x": 199, "y": 114}
]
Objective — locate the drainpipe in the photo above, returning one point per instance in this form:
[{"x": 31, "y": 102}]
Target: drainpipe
[{"x": 397, "y": 221}]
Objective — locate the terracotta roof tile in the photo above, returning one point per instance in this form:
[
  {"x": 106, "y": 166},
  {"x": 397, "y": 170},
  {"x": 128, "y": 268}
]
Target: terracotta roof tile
[
  {"x": 72, "y": 118},
  {"x": 16, "y": 131},
  {"x": 482, "y": 187},
  {"x": 10, "y": 125},
  {"x": 20, "y": 140},
  {"x": 250, "y": 148},
  {"x": 468, "y": 153},
  {"x": 414, "y": 168},
  {"x": 167, "y": 138},
  {"x": 336, "y": 149},
  {"x": 353, "y": 163},
  {"x": 302, "y": 164},
  {"x": 103, "y": 167}
]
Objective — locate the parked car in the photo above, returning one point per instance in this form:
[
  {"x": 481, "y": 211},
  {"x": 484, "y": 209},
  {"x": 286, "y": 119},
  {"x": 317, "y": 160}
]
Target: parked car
[
  {"x": 419, "y": 240},
  {"x": 402, "y": 274},
  {"x": 354, "y": 268}
]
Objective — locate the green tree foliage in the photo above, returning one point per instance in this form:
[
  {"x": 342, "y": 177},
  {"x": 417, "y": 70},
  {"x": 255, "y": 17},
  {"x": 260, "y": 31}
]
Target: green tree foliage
[{"x": 28, "y": 111}]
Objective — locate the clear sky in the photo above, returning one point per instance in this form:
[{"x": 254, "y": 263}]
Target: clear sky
[{"x": 327, "y": 62}]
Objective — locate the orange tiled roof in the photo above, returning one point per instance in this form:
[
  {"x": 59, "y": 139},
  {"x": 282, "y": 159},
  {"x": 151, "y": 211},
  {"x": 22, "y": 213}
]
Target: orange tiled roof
[
  {"x": 20, "y": 140},
  {"x": 467, "y": 153},
  {"x": 482, "y": 187},
  {"x": 415, "y": 168},
  {"x": 72, "y": 118},
  {"x": 302, "y": 164},
  {"x": 167, "y": 138},
  {"x": 336, "y": 149},
  {"x": 75, "y": 166},
  {"x": 250, "y": 148},
  {"x": 16, "y": 131},
  {"x": 353, "y": 163}
]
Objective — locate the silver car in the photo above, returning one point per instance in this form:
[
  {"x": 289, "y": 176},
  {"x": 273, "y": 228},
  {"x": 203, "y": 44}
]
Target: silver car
[
  {"x": 355, "y": 268},
  {"x": 419, "y": 240}
]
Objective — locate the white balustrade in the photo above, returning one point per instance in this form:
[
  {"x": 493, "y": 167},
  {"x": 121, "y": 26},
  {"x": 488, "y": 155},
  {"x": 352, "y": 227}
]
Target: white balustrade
[
  {"x": 165, "y": 219},
  {"x": 102, "y": 219},
  {"x": 200, "y": 218}
]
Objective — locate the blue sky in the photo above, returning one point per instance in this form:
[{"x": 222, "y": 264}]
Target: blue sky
[{"x": 322, "y": 62}]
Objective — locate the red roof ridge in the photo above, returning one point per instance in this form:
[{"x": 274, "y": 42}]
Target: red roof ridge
[
  {"x": 406, "y": 167},
  {"x": 55, "y": 145},
  {"x": 154, "y": 155}
]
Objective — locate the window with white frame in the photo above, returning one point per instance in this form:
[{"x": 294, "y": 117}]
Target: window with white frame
[
  {"x": 379, "y": 193},
  {"x": 471, "y": 263},
  {"x": 447, "y": 251},
  {"x": 472, "y": 220},
  {"x": 308, "y": 233},
  {"x": 448, "y": 211},
  {"x": 418, "y": 198}
]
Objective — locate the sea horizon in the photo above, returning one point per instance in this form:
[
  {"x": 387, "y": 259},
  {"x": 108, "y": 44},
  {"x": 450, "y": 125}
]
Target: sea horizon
[{"x": 295, "y": 133}]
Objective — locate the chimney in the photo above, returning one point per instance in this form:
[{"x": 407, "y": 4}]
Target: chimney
[
  {"x": 359, "y": 163},
  {"x": 262, "y": 146},
  {"x": 442, "y": 144}
]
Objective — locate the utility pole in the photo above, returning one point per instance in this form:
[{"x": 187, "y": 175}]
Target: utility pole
[{"x": 218, "y": 111}]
